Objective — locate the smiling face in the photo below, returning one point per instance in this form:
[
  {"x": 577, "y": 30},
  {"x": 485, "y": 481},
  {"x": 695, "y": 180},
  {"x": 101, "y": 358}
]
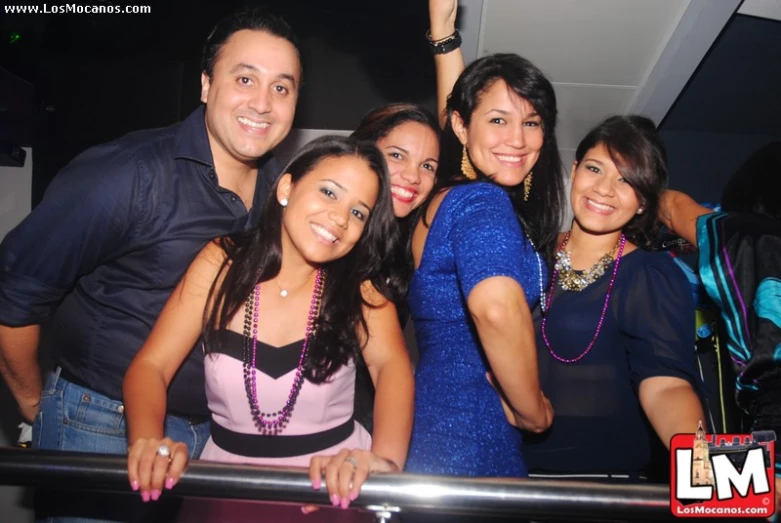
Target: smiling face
[
  {"x": 602, "y": 200},
  {"x": 327, "y": 208},
  {"x": 505, "y": 135},
  {"x": 251, "y": 97},
  {"x": 411, "y": 150}
]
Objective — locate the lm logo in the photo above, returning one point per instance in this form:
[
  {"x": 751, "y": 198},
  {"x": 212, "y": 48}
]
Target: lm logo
[{"x": 722, "y": 474}]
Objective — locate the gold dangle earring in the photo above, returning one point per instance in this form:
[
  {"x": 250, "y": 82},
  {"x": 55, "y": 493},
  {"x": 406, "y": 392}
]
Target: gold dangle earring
[
  {"x": 527, "y": 186},
  {"x": 466, "y": 166}
]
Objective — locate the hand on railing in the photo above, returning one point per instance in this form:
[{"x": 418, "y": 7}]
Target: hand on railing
[
  {"x": 562, "y": 500},
  {"x": 345, "y": 473},
  {"x": 154, "y": 465}
]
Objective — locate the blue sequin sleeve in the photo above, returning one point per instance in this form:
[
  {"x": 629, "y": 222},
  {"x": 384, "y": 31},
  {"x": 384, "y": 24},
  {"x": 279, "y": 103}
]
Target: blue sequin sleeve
[{"x": 488, "y": 240}]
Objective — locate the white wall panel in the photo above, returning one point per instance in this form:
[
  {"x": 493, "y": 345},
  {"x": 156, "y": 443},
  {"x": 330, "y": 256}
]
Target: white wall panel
[
  {"x": 607, "y": 42},
  {"x": 581, "y": 107}
]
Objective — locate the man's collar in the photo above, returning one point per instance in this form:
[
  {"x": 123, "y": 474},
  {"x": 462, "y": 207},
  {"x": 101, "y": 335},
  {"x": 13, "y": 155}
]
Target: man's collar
[{"x": 192, "y": 141}]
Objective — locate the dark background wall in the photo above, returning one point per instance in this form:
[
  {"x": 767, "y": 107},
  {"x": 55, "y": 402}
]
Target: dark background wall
[
  {"x": 86, "y": 79},
  {"x": 730, "y": 108},
  {"x": 95, "y": 77}
]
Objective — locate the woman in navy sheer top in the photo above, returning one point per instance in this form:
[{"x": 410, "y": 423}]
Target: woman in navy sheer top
[{"x": 615, "y": 330}]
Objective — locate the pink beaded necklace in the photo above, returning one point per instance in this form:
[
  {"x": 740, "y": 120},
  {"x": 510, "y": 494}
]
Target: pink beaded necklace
[
  {"x": 545, "y": 307},
  {"x": 274, "y": 422}
]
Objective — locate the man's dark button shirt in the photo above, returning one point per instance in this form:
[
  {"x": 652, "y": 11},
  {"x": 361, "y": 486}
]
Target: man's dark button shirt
[{"x": 113, "y": 236}]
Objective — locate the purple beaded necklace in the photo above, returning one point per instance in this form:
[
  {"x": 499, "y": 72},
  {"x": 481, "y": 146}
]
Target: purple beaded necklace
[
  {"x": 545, "y": 307},
  {"x": 274, "y": 422}
]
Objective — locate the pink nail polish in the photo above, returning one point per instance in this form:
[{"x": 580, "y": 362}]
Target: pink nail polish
[
  {"x": 353, "y": 495},
  {"x": 345, "y": 503},
  {"x": 155, "y": 495},
  {"x": 134, "y": 485},
  {"x": 316, "y": 485},
  {"x": 335, "y": 500},
  {"x": 145, "y": 496},
  {"x": 169, "y": 483}
]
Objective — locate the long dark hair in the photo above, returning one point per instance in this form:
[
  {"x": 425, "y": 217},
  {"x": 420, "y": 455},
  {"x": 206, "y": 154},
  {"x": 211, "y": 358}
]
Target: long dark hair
[
  {"x": 541, "y": 215},
  {"x": 756, "y": 186},
  {"x": 377, "y": 124},
  {"x": 636, "y": 148},
  {"x": 255, "y": 256}
]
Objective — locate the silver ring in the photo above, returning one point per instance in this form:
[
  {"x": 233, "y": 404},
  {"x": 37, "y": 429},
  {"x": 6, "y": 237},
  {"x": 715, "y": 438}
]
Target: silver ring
[
  {"x": 164, "y": 451},
  {"x": 351, "y": 460}
]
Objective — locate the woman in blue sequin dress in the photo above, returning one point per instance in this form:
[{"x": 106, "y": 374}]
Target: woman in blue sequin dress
[{"x": 478, "y": 274}]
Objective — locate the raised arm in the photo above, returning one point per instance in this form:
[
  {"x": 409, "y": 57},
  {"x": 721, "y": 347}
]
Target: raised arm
[
  {"x": 144, "y": 389},
  {"x": 442, "y": 15},
  {"x": 679, "y": 213}
]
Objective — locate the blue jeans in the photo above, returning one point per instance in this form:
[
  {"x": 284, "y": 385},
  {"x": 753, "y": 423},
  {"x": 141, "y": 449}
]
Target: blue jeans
[{"x": 74, "y": 418}]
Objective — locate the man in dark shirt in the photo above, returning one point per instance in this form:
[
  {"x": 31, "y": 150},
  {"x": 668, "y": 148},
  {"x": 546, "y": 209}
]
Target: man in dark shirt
[{"x": 119, "y": 226}]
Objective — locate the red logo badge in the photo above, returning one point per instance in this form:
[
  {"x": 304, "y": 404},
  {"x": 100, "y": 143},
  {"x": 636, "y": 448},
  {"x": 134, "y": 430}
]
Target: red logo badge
[{"x": 722, "y": 475}]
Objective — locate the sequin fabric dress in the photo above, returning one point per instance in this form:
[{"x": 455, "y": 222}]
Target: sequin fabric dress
[
  {"x": 460, "y": 428},
  {"x": 318, "y": 408}
]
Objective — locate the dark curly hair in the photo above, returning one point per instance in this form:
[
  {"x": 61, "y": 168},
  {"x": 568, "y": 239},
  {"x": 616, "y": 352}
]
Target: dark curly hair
[
  {"x": 255, "y": 256},
  {"x": 637, "y": 150}
]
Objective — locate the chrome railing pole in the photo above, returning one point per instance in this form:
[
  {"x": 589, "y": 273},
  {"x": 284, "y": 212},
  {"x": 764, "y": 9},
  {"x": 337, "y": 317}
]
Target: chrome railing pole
[
  {"x": 384, "y": 494},
  {"x": 382, "y": 516}
]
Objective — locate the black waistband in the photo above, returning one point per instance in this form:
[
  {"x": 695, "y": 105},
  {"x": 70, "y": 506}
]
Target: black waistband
[
  {"x": 280, "y": 446},
  {"x": 67, "y": 375}
]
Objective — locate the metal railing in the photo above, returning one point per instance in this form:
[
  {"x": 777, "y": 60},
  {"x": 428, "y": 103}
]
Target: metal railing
[{"x": 385, "y": 494}]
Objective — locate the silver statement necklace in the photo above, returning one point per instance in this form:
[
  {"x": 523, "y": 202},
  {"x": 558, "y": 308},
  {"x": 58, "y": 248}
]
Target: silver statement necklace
[{"x": 572, "y": 280}]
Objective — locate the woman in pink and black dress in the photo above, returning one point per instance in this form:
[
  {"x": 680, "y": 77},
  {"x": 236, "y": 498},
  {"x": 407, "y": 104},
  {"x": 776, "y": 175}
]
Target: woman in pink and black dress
[{"x": 284, "y": 310}]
